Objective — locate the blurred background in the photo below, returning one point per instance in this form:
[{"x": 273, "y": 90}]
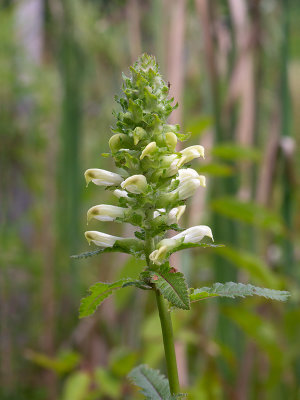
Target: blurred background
[{"x": 234, "y": 68}]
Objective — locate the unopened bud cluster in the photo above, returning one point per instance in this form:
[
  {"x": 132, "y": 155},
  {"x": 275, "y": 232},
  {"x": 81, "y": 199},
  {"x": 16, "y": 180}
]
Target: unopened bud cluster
[{"x": 153, "y": 180}]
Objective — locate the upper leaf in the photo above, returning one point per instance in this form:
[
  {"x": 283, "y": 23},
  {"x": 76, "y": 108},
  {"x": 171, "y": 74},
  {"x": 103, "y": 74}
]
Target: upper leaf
[
  {"x": 128, "y": 246},
  {"x": 97, "y": 293},
  {"x": 172, "y": 286},
  {"x": 232, "y": 290},
  {"x": 183, "y": 246}
]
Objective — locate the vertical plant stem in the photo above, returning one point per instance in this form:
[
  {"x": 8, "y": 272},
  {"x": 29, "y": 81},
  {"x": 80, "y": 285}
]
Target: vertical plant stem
[
  {"x": 166, "y": 325},
  {"x": 168, "y": 339}
]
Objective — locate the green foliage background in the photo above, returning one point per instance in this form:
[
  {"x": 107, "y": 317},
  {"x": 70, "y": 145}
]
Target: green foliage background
[{"x": 57, "y": 90}]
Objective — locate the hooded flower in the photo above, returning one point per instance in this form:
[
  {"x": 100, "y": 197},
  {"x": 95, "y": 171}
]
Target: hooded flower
[
  {"x": 190, "y": 153},
  {"x": 194, "y": 234},
  {"x": 101, "y": 239},
  {"x": 191, "y": 235},
  {"x": 101, "y": 177},
  {"x": 105, "y": 212}
]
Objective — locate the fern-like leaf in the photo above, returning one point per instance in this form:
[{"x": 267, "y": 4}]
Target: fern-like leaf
[
  {"x": 232, "y": 290},
  {"x": 154, "y": 385},
  {"x": 97, "y": 293},
  {"x": 172, "y": 286}
]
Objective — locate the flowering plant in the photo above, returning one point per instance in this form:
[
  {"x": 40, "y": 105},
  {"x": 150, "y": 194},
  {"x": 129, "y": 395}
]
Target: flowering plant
[{"x": 151, "y": 188}]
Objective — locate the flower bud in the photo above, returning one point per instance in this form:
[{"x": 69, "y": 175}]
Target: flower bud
[
  {"x": 194, "y": 234},
  {"x": 148, "y": 150},
  {"x": 164, "y": 246},
  {"x": 171, "y": 140},
  {"x": 158, "y": 212},
  {"x": 190, "y": 153},
  {"x": 170, "y": 164},
  {"x": 135, "y": 184},
  {"x": 175, "y": 214},
  {"x": 138, "y": 134},
  {"x": 101, "y": 239},
  {"x": 102, "y": 177},
  {"x": 118, "y": 141},
  {"x": 105, "y": 212}
]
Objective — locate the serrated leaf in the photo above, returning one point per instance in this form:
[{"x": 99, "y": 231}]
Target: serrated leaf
[
  {"x": 232, "y": 290},
  {"x": 98, "y": 292},
  {"x": 128, "y": 246},
  {"x": 87, "y": 254},
  {"x": 139, "y": 284},
  {"x": 184, "y": 246},
  {"x": 172, "y": 286},
  {"x": 154, "y": 385}
]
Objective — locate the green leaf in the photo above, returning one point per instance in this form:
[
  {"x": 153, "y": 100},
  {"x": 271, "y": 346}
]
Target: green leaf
[
  {"x": 64, "y": 362},
  {"x": 215, "y": 169},
  {"x": 87, "y": 254},
  {"x": 184, "y": 246},
  {"x": 98, "y": 292},
  {"x": 154, "y": 385},
  {"x": 232, "y": 151},
  {"x": 127, "y": 246},
  {"x": 172, "y": 286},
  {"x": 77, "y": 386},
  {"x": 250, "y": 213},
  {"x": 232, "y": 290},
  {"x": 139, "y": 284}
]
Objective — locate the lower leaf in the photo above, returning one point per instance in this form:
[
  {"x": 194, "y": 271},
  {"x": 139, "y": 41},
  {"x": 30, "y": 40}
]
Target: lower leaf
[
  {"x": 172, "y": 286},
  {"x": 153, "y": 385},
  {"x": 99, "y": 292},
  {"x": 232, "y": 290}
]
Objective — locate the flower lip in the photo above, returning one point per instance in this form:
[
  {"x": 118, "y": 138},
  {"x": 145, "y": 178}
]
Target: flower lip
[{"x": 101, "y": 177}]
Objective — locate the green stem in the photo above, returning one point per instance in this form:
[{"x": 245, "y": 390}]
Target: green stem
[
  {"x": 168, "y": 338},
  {"x": 166, "y": 324}
]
